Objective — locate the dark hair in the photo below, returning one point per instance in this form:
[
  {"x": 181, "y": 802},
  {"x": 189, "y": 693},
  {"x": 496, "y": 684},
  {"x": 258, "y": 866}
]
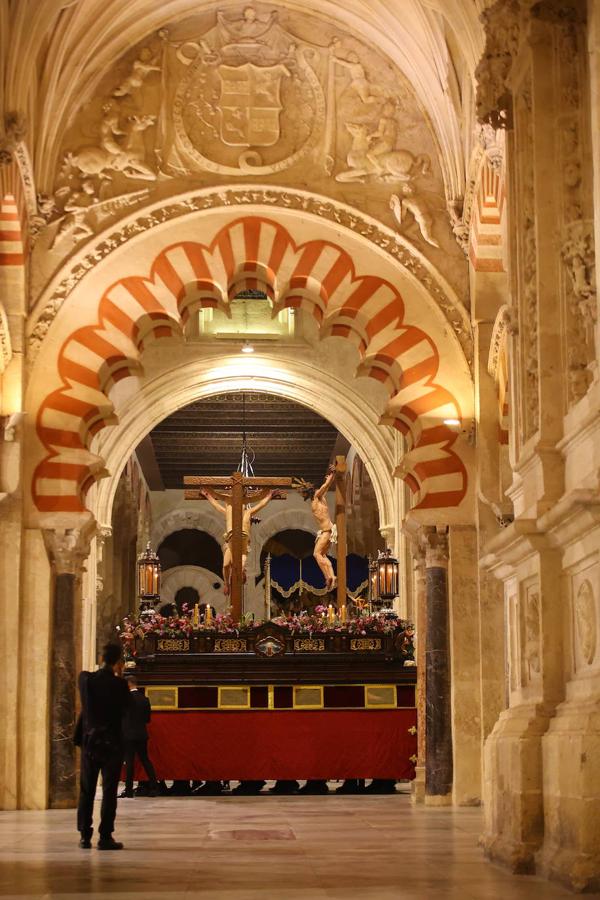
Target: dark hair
[
  {"x": 131, "y": 679},
  {"x": 111, "y": 654},
  {"x": 309, "y": 493}
]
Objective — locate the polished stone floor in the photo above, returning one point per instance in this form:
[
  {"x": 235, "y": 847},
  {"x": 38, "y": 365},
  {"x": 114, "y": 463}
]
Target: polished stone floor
[{"x": 245, "y": 848}]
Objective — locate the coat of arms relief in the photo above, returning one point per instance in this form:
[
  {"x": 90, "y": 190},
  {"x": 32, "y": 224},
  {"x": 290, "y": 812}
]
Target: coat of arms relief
[{"x": 261, "y": 95}]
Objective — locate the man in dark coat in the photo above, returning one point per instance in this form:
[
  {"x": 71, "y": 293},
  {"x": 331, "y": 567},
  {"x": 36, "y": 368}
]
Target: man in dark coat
[
  {"x": 135, "y": 735},
  {"x": 104, "y": 699}
]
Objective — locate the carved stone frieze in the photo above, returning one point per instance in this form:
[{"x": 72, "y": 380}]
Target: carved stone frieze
[
  {"x": 501, "y": 22},
  {"x": 384, "y": 238},
  {"x": 579, "y": 258},
  {"x": 491, "y": 141},
  {"x": 586, "y": 625},
  {"x": 505, "y": 325},
  {"x": 5, "y": 343},
  {"x": 531, "y": 625}
]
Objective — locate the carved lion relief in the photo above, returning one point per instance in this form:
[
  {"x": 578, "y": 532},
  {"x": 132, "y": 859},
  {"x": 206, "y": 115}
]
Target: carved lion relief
[{"x": 584, "y": 610}]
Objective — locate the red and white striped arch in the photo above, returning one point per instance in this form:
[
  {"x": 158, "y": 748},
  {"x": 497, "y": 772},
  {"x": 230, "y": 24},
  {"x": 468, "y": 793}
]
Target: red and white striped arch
[{"x": 253, "y": 251}]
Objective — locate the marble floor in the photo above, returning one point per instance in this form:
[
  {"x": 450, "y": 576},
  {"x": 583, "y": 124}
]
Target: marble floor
[{"x": 245, "y": 848}]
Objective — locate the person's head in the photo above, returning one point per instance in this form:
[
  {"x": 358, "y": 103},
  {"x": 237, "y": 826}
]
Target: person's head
[
  {"x": 132, "y": 682},
  {"x": 308, "y": 493},
  {"x": 112, "y": 655}
]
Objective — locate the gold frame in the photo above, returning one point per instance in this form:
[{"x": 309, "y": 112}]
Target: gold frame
[
  {"x": 233, "y": 687},
  {"x": 163, "y": 687},
  {"x": 312, "y": 687},
  {"x": 394, "y": 705}
]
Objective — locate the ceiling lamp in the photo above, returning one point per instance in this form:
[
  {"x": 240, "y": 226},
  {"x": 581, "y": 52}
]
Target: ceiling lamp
[
  {"x": 247, "y": 347},
  {"x": 247, "y": 458},
  {"x": 454, "y": 423}
]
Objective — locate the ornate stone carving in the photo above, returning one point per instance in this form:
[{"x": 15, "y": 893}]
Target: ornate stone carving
[
  {"x": 142, "y": 66},
  {"x": 505, "y": 325},
  {"x": 492, "y": 142},
  {"x": 502, "y": 29},
  {"x": 586, "y": 624},
  {"x": 68, "y": 548},
  {"x": 5, "y": 343},
  {"x": 579, "y": 258},
  {"x": 384, "y": 238},
  {"x": 84, "y": 212},
  {"x": 121, "y": 150},
  {"x": 408, "y": 202},
  {"x": 531, "y": 637},
  {"x": 15, "y": 129},
  {"x": 436, "y": 547}
]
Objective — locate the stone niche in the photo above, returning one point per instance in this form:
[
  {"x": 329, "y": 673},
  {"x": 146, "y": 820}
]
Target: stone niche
[{"x": 261, "y": 95}]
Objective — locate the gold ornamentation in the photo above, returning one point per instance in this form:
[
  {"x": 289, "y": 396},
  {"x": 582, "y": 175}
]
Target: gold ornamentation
[
  {"x": 230, "y": 645},
  {"x": 412, "y": 730},
  {"x": 173, "y": 645},
  {"x": 309, "y": 645},
  {"x": 361, "y": 644}
]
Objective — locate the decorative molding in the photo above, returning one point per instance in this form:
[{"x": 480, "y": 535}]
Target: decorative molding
[
  {"x": 5, "y": 342},
  {"x": 68, "y": 548},
  {"x": 396, "y": 246},
  {"x": 505, "y": 325}
]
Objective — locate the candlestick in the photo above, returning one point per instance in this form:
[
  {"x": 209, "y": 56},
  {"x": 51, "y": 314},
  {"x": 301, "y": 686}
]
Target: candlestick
[
  {"x": 343, "y": 613},
  {"x": 330, "y": 614},
  {"x": 208, "y": 615},
  {"x": 196, "y": 619}
]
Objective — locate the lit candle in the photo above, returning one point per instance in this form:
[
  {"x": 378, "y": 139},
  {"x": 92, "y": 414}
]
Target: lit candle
[
  {"x": 343, "y": 613},
  {"x": 208, "y": 615},
  {"x": 196, "y": 615},
  {"x": 330, "y": 614}
]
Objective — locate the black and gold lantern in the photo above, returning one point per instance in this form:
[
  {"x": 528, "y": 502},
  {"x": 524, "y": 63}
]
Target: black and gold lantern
[
  {"x": 148, "y": 580},
  {"x": 386, "y": 576}
]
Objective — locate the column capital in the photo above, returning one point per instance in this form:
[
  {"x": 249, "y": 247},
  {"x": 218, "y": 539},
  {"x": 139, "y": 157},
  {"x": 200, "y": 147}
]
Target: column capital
[
  {"x": 67, "y": 549},
  {"x": 435, "y": 542},
  {"x": 501, "y": 22}
]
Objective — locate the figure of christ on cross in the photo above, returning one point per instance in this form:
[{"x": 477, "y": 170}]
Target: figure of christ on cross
[
  {"x": 326, "y": 535},
  {"x": 236, "y": 492},
  {"x": 248, "y": 514}
]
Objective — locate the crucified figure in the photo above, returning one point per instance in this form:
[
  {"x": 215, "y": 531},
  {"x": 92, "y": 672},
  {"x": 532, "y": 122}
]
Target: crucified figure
[
  {"x": 326, "y": 535},
  {"x": 248, "y": 515}
]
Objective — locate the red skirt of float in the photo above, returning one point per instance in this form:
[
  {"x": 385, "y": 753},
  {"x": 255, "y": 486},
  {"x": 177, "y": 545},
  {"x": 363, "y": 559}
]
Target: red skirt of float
[{"x": 248, "y": 746}]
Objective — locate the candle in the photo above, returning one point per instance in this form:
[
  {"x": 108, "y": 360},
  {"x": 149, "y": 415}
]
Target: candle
[
  {"x": 196, "y": 620},
  {"x": 208, "y": 615},
  {"x": 330, "y": 614},
  {"x": 343, "y": 613}
]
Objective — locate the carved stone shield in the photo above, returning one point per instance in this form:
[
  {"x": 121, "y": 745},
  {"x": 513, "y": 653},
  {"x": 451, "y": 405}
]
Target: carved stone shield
[{"x": 250, "y": 104}]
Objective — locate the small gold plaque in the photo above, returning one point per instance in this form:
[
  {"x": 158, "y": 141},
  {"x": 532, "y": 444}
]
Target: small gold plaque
[
  {"x": 381, "y": 696},
  {"x": 308, "y": 696},
  {"x": 162, "y": 697},
  {"x": 230, "y": 645},
  {"x": 173, "y": 645},
  {"x": 309, "y": 645},
  {"x": 234, "y": 697},
  {"x": 365, "y": 644}
]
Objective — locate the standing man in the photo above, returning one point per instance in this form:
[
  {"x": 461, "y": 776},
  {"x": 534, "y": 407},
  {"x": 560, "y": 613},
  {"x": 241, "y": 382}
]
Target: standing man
[
  {"x": 135, "y": 735},
  {"x": 104, "y": 699},
  {"x": 326, "y": 535}
]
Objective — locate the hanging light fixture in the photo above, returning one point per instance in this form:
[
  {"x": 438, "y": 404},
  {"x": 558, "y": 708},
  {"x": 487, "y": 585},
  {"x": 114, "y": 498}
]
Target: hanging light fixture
[
  {"x": 386, "y": 575},
  {"x": 247, "y": 347},
  {"x": 148, "y": 581},
  {"x": 247, "y": 458}
]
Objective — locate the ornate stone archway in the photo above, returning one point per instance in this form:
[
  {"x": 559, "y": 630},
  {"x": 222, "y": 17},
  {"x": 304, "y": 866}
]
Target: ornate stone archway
[{"x": 196, "y": 577}]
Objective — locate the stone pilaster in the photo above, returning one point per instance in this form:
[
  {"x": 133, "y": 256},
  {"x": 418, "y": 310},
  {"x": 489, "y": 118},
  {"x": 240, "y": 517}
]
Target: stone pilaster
[
  {"x": 438, "y": 715},
  {"x": 67, "y": 550}
]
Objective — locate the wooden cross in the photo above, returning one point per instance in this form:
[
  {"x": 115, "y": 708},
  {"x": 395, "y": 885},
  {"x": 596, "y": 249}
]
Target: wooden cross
[
  {"x": 340, "y": 521},
  {"x": 239, "y": 492}
]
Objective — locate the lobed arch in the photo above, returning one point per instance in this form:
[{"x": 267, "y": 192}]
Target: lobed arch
[
  {"x": 196, "y": 577},
  {"x": 344, "y": 291}
]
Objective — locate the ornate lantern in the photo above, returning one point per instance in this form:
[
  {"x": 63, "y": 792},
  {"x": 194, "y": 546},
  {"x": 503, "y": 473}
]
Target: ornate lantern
[
  {"x": 386, "y": 576},
  {"x": 148, "y": 580}
]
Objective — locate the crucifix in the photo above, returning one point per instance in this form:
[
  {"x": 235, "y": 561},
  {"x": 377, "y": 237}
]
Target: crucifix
[
  {"x": 340, "y": 521},
  {"x": 238, "y": 491}
]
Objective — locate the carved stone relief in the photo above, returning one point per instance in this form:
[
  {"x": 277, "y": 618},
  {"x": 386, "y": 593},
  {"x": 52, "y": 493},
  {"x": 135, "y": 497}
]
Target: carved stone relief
[
  {"x": 244, "y": 93},
  {"x": 586, "y": 626},
  {"x": 5, "y": 343},
  {"x": 502, "y": 31},
  {"x": 531, "y": 631}
]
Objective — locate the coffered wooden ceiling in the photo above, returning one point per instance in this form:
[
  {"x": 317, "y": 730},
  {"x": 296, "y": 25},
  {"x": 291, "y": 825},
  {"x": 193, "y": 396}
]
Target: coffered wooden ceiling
[{"x": 205, "y": 438}]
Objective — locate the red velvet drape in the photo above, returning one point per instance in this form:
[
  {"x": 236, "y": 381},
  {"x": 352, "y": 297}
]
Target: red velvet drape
[{"x": 242, "y": 746}]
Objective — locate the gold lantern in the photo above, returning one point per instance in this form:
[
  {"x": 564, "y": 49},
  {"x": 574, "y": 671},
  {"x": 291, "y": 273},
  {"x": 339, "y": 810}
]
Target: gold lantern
[
  {"x": 148, "y": 580},
  {"x": 386, "y": 568}
]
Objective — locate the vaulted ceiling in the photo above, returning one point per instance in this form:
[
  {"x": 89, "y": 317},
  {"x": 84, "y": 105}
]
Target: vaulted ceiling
[{"x": 205, "y": 438}]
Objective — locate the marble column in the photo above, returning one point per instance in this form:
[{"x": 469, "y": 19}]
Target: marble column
[
  {"x": 438, "y": 716},
  {"x": 67, "y": 550},
  {"x": 418, "y": 553}
]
